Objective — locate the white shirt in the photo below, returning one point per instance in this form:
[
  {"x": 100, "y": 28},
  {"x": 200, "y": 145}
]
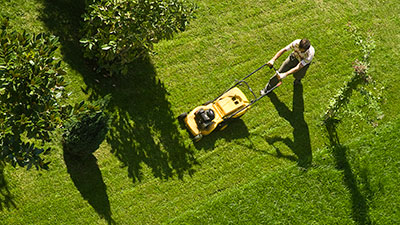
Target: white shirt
[{"x": 305, "y": 57}]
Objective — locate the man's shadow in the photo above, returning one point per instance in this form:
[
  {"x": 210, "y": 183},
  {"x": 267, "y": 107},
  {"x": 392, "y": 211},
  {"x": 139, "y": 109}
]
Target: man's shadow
[{"x": 301, "y": 144}]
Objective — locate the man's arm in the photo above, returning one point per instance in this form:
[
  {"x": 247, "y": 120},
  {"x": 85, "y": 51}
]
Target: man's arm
[
  {"x": 291, "y": 71},
  {"x": 277, "y": 55}
]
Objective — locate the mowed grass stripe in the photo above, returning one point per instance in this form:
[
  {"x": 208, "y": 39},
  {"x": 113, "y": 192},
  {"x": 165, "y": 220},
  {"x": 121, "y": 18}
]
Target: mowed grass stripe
[{"x": 228, "y": 40}]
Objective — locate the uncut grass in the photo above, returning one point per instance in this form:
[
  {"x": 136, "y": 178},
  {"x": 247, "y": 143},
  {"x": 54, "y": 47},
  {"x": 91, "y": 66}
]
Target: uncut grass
[{"x": 227, "y": 41}]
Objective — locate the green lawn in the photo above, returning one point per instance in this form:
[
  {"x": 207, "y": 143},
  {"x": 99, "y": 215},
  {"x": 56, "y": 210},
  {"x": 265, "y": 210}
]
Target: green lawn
[
  {"x": 355, "y": 183},
  {"x": 274, "y": 166}
]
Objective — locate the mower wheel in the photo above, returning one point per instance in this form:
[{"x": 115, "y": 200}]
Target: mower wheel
[
  {"x": 224, "y": 124},
  {"x": 182, "y": 116},
  {"x": 197, "y": 137}
]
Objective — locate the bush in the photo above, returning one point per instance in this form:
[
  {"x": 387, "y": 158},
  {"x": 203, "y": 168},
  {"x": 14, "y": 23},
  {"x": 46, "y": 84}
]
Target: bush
[
  {"x": 359, "y": 82},
  {"x": 117, "y": 32},
  {"x": 86, "y": 129},
  {"x": 31, "y": 94}
]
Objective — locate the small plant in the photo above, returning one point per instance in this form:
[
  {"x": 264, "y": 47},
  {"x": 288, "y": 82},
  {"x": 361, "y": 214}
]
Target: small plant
[
  {"x": 359, "y": 82},
  {"x": 86, "y": 128}
]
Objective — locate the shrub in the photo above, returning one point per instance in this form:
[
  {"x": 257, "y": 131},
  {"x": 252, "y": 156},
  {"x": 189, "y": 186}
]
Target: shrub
[
  {"x": 117, "y": 32},
  {"x": 86, "y": 128},
  {"x": 359, "y": 82},
  {"x": 31, "y": 94}
]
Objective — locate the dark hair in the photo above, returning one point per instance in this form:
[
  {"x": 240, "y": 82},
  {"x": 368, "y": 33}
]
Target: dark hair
[{"x": 304, "y": 44}]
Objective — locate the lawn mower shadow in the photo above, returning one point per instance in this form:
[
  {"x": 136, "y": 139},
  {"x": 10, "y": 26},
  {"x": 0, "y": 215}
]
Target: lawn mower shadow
[{"x": 236, "y": 129}]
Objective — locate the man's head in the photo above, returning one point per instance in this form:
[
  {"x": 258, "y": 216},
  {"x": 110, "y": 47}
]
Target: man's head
[{"x": 304, "y": 44}]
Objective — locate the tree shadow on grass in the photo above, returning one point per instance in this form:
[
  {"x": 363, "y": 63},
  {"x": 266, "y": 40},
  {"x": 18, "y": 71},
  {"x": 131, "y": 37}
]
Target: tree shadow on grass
[
  {"x": 6, "y": 199},
  {"x": 301, "y": 143},
  {"x": 87, "y": 178},
  {"x": 360, "y": 209},
  {"x": 143, "y": 129},
  {"x": 63, "y": 18}
]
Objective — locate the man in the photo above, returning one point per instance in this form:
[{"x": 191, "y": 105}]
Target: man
[{"x": 297, "y": 62}]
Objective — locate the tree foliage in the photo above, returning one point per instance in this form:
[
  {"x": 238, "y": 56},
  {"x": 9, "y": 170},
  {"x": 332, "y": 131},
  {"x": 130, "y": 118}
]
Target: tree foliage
[
  {"x": 31, "y": 91},
  {"x": 116, "y": 32}
]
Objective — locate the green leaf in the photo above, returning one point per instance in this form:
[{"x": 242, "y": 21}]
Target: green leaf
[
  {"x": 105, "y": 47},
  {"x": 84, "y": 41}
]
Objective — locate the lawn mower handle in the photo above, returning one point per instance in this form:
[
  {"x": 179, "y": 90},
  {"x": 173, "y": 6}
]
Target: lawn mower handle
[
  {"x": 251, "y": 103},
  {"x": 272, "y": 67},
  {"x": 256, "y": 99},
  {"x": 242, "y": 80},
  {"x": 253, "y": 72}
]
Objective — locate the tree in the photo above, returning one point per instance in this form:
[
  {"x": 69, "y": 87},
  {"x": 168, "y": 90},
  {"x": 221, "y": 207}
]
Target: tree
[
  {"x": 117, "y": 32},
  {"x": 31, "y": 92}
]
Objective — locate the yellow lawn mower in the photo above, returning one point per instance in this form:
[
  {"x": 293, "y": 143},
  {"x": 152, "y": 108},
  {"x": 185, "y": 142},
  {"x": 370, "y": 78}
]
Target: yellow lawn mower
[{"x": 217, "y": 113}]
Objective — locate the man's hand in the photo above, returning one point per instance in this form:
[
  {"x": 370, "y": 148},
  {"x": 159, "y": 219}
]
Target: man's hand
[
  {"x": 281, "y": 75},
  {"x": 270, "y": 63}
]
